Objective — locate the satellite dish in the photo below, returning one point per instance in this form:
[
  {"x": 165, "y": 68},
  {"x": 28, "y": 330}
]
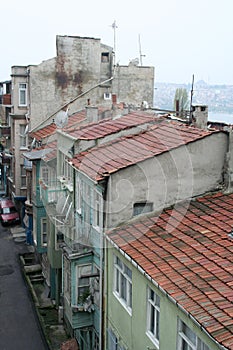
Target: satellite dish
[{"x": 61, "y": 118}]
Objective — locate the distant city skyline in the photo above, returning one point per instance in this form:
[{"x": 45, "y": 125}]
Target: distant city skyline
[{"x": 177, "y": 37}]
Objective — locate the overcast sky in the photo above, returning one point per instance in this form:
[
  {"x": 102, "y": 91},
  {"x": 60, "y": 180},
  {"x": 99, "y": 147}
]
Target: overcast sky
[{"x": 178, "y": 37}]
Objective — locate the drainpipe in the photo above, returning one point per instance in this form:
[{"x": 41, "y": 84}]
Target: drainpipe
[{"x": 103, "y": 270}]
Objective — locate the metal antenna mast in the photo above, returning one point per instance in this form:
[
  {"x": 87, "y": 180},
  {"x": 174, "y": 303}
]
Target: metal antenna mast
[
  {"x": 191, "y": 102},
  {"x": 140, "y": 50},
  {"x": 114, "y": 26}
]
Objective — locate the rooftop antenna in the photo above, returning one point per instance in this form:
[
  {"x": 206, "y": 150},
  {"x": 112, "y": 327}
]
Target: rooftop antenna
[
  {"x": 140, "y": 50},
  {"x": 191, "y": 102},
  {"x": 114, "y": 26}
]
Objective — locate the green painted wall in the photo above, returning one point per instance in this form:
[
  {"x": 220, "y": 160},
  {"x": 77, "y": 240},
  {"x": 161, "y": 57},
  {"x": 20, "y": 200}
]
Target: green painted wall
[{"x": 131, "y": 329}]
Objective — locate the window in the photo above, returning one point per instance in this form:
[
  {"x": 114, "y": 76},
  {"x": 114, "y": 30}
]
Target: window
[
  {"x": 44, "y": 232},
  {"x": 23, "y": 136},
  {"x": 153, "y": 312},
  {"x": 188, "y": 340},
  {"x": 83, "y": 282},
  {"x": 142, "y": 207},
  {"x": 105, "y": 57},
  {"x": 84, "y": 273},
  {"x": 79, "y": 196},
  {"x": 44, "y": 174},
  {"x": 107, "y": 96},
  {"x": 23, "y": 176},
  {"x": 113, "y": 342},
  {"x": 22, "y": 94},
  {"x": 97, "y": 213},
  {"x": 123, "y": 283}
]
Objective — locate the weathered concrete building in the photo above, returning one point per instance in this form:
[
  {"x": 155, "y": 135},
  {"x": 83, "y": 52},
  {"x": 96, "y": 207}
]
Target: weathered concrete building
[
  {"x": 83, "y": 70},
  {"x": 82, "y": 73}
]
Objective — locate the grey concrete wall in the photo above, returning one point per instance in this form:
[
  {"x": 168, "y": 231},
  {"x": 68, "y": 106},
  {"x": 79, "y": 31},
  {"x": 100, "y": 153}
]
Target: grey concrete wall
[
  {"x": 74, "y": 71},
  {"x": 168, "y": 178},
  {"x": 134, "y": 84}
]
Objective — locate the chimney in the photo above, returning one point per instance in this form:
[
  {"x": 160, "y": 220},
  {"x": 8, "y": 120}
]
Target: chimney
[
  {"x": 92, "y": 114},
  {"x": 200, "y": 116},
  {"x": 114, "y": 99}
]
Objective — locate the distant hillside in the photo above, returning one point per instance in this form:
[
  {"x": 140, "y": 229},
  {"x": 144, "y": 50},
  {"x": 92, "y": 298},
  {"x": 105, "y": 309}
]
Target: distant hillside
[{"x": 218, "y": 98}]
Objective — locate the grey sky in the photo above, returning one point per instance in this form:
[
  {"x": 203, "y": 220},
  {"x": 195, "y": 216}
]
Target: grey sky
[{"x": 178, "y": 37}]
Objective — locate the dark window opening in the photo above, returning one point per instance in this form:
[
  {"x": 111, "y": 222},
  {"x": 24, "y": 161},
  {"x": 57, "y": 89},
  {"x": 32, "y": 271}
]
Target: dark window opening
[
  {"x": 142, "y": 207},
  {"x": 105, "y": 57}
]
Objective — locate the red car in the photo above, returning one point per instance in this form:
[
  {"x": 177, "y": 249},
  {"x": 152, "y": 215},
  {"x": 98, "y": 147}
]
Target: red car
[{"x": 8, "y": 212}]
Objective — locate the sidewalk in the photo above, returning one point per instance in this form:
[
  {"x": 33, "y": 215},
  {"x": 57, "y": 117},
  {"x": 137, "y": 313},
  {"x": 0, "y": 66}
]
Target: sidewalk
[{"x": 47, "y": 313}]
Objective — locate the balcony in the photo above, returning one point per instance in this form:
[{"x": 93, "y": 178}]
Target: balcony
[
  {"x": 6, "y": 99},
  {"x": 5, "y": 130},
  {"x": 5, "y": 158},
  {"x": 57, "y": 202},
  {"x": 50, "y": 191}
]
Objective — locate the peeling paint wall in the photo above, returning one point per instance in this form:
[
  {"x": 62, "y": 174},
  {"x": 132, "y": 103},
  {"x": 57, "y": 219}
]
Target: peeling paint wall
[{"x": 80, "y": 65}]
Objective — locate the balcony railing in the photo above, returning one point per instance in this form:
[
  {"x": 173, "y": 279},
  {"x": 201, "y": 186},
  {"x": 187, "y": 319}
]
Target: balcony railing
[{"x": 50, "y": 191}]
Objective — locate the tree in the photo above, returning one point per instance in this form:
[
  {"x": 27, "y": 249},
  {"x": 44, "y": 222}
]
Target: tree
[{"x": 181, "y": 101}]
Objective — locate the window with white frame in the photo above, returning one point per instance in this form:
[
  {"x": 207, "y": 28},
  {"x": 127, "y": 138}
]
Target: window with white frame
[
  {"x": 123, "y": 283},
  {"x": 44, "y": 232},
  {"x": 153, "y": 313},
  {"x": 23, "y": 136},
  {"x": 22, "y": 94},
  {"x": 84, "y": 281},
  {"x": 23, "y": 176},
  {"x": 97, "y": 211},
  {"x": 83, "y": 285},
  {"x": 113, "y": 342},
  {"x": 44, "y": 171},
  {"x": 79, "y": 196},
  {"x": 188, "y": 340}
]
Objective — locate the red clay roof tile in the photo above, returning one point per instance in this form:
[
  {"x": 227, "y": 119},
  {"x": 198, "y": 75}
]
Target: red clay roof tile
[
  {"x": 194, "y": 266},
  {"x": 122, "y": 152}
]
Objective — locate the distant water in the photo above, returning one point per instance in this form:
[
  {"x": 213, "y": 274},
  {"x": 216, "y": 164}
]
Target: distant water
[{"x": 220, "y": 117}]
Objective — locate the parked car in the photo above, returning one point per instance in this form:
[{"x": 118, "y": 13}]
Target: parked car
[{"x": 8, "y": 212}]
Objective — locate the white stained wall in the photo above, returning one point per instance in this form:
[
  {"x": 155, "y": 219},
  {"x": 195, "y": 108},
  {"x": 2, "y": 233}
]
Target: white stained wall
[{"x": 165, "y": 180}]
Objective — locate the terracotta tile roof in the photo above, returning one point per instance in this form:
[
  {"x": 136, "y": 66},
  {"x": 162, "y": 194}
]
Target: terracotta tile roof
[
  {"x": 122, "y": 152},
  {"x": 110, "y": 126},
  {"x": 50, "y": 129},
  {"x": 188, "y": 252}
]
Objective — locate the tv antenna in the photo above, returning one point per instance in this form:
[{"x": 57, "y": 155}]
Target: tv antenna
[
  {"x": 114, "y": 27},
  {"x": 140, "y": 50},
  {"x": 191, "y": 102},
  {"x": 61, "y": 118}
]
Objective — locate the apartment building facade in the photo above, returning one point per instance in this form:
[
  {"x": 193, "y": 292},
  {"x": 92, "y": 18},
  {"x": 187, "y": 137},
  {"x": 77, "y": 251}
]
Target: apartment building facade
[{"x": 81, "y": 73}]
